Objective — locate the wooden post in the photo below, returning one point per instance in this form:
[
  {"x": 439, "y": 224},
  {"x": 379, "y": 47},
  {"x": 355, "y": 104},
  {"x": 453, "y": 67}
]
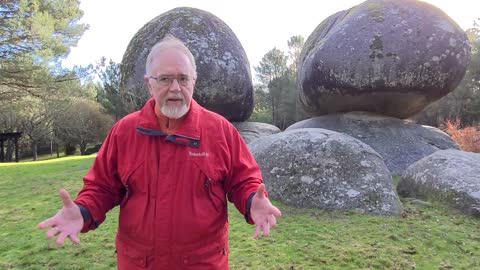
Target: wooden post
[
  {"x": 16, "y": 149},
  {"x": 2, "y": 157}
]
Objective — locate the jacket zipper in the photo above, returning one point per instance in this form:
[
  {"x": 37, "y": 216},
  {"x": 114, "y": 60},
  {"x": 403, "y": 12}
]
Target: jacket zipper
[
  {"x": 126, "y": 196},
  {"x": 208, "y": 187}
]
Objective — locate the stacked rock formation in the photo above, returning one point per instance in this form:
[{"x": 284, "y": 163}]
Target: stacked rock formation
[
  {"x": 389, "y": 58},
  {"x": 361, "y": 72}
]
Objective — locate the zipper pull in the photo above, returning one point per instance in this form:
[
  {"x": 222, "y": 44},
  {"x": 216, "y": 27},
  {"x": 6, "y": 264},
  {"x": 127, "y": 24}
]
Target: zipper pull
[
  {"x": 126, "y": 190},
  {"x": 207, "y": 183}
]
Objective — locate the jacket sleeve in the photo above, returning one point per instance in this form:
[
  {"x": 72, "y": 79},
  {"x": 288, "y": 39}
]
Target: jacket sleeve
[
  {"x": 244, "y": 175},
  {"x": 102, "y": 189}
]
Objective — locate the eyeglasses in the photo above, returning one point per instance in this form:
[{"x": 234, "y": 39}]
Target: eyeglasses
[{"x": 167, "y": 80}]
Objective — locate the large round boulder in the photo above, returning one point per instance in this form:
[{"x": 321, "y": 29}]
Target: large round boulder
[
  {"x": 449, "y": 176},
  {"x": 251, "y": 131},
  {"x": 319, "y": 168},
  {"x": 399, "y": 142},
  {"x": 224, "y": 83},
  {"x": 385, "y": 56}
]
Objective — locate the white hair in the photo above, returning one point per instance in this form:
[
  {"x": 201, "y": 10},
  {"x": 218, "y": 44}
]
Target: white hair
[{"x": 168, "y": 42}]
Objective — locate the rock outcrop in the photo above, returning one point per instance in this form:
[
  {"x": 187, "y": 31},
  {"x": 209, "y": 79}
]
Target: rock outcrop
[
  {"x": 399, "y": 142},
  {"x": 251, "y": 131},
  {"x": 318, "y": 168},
  {"x": 449, "y": 176}
]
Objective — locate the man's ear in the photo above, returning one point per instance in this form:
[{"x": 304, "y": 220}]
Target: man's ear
[
  {"x": 194, "y": 81},
  {"x": 147, "y": 82}
]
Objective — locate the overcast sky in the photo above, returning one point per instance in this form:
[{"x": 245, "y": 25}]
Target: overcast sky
[{"x": 260, "y": 25}]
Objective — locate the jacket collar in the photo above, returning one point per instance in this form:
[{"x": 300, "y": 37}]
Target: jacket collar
[{"x": 187, "y": 133}]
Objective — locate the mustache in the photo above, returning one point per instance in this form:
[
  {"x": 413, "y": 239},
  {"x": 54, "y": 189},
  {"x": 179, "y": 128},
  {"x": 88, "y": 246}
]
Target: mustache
[{"x": 175, "y": 96}]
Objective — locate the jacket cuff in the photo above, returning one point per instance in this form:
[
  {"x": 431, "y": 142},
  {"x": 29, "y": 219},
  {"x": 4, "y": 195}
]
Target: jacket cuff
[
  {"x": 88, "y": 222},
  {"x": 248, "y": 205}
]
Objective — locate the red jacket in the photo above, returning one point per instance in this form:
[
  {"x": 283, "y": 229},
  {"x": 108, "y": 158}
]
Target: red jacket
[{"x": 172, "y": 189}]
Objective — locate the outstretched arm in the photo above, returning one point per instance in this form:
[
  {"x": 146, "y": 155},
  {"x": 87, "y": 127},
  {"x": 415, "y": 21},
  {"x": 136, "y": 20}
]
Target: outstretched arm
[
  {"x": 67, "y": 222},
  {"x": 263, "y": 213}
]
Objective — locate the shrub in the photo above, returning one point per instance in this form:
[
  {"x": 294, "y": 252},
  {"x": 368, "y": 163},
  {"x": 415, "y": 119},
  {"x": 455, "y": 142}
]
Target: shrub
[
  {"x": 468, "y": 137},
  {"x": 92, "y": 150},
  {"x": 70, "y": 149}
]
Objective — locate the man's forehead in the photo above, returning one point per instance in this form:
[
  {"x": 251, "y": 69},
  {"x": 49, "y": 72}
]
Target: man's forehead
[
  {"x": 171, "y": 57},
  {"x": 170, "y": 53},
  {"x": 171, "y": 68}
]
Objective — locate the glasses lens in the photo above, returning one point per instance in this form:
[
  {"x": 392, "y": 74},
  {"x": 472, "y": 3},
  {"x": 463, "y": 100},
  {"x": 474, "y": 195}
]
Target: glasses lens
[
  {"x": 167, "y": 80},
  {"x": 164, "y": 80},
  {"x": 183, "y": 80}
]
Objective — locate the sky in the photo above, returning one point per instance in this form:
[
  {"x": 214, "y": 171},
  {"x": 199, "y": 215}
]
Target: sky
[{"x": 260, "y": 25}]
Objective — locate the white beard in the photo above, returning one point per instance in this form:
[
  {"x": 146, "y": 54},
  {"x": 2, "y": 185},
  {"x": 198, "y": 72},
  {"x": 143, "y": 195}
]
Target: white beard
[{"x": 174, "y": 112}]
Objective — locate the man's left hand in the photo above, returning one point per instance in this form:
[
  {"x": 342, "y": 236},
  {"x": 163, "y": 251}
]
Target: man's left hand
[{"x": 263, "y": 213}]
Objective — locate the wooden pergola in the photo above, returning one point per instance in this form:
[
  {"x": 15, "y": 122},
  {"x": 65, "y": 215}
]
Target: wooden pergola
[{"x": 9, "y": 136}]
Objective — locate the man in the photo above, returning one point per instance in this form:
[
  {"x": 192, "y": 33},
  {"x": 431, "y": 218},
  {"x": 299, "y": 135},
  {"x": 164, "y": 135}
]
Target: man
[{"x": 171, "y": 167}]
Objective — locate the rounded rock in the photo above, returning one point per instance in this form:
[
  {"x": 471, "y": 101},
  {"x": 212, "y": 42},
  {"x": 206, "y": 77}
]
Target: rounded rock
[
  {"x": 384, "y": 56},
  {"x": 411, "y": 142},
  {"x": 224, "y": 83},
  {"x": 448, "y": 176},
  {"x": 251, "y": 131},
  {"x": 319, "y": 168}
]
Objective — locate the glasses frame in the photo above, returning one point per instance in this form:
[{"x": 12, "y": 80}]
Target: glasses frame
[{"x": 167, "y": 80}]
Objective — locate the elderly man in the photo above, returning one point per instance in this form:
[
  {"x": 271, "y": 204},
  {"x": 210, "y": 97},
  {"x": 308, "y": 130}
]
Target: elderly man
[{"x": 171, "y": 167}]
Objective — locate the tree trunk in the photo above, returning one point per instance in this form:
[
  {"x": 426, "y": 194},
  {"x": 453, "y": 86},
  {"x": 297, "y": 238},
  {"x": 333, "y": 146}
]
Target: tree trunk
[
  {"x": 9, "y": 151},
  {"x": 34, "y": 148},
  {"x": 83, "y": 148},
  {"x": 273, "y": 110}
]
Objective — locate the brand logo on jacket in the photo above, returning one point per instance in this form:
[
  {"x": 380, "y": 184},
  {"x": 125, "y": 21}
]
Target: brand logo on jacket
[{"x": 198, "y": 154}]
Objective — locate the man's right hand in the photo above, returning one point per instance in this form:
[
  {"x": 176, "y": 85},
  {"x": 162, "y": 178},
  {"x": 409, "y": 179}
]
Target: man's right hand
[{"x": 68, "y": 221}]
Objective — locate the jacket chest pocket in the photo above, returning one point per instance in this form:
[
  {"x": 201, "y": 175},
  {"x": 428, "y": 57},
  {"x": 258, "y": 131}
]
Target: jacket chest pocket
[
  {"x": 215, "y": 193},
  {"x": 211, "y": 184},
  {"x": 135, "y": 182}
]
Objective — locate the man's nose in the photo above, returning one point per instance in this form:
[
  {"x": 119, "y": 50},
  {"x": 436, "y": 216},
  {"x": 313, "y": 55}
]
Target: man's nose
[{"x": 174, "y": 86}]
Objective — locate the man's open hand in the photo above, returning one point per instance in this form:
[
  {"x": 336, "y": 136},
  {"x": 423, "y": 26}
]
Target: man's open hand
[
  {"x": 263, "y": 213},
  {"x": 68, "y": 221}
]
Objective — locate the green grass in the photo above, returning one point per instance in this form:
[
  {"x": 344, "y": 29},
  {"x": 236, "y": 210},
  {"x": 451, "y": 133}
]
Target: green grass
[
  {"x": 41, "y": 157},
  {"x": 427, "y": 237}
]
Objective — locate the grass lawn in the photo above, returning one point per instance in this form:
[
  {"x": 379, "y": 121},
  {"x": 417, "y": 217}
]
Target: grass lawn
[{"x": 428, "y": 237}]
